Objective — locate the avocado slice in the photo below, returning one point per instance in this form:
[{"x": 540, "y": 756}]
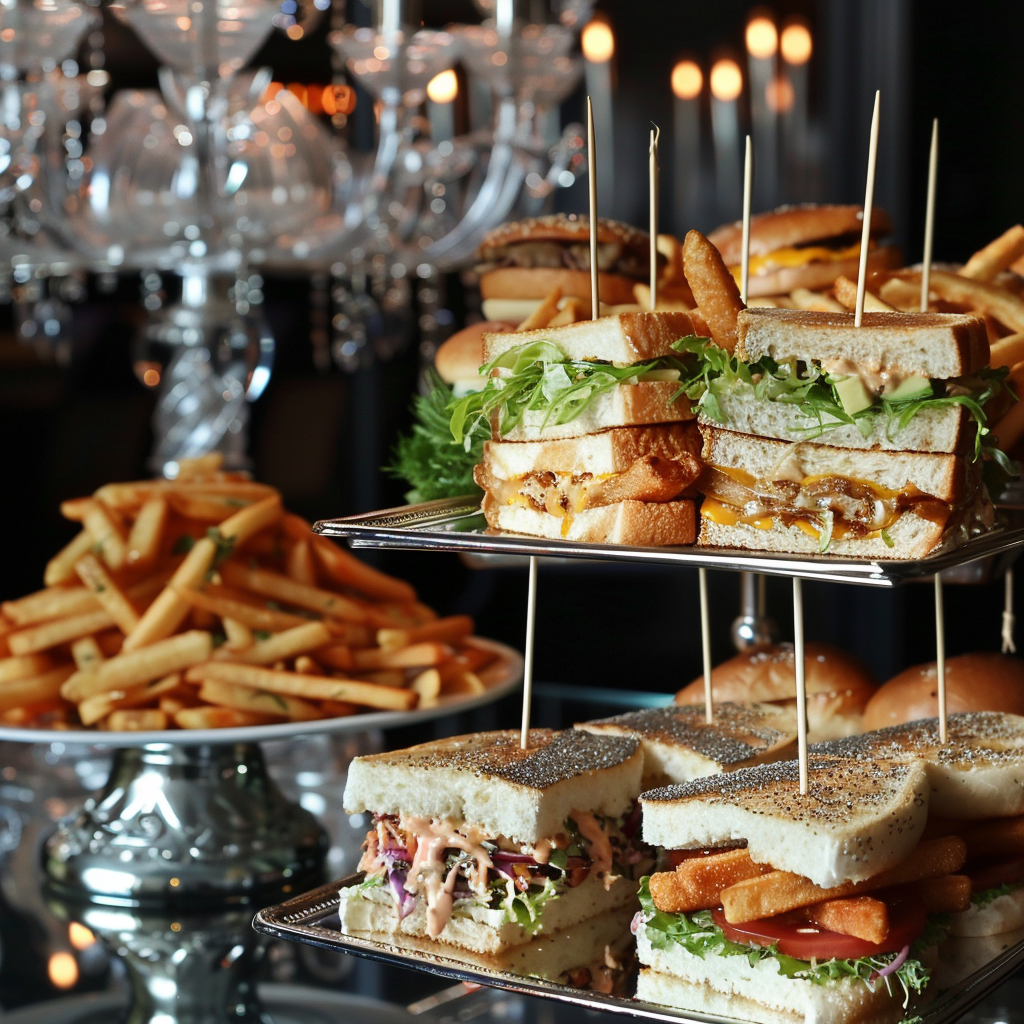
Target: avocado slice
[
  {"x": 853, "y": 395},
  {"x": 910, "y": 387}
]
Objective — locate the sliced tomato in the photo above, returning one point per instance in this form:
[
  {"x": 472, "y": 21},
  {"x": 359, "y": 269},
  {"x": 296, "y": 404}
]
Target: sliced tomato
[
  {"x": 805, "y": 941},
  {"x": 1004, "y": 872}
]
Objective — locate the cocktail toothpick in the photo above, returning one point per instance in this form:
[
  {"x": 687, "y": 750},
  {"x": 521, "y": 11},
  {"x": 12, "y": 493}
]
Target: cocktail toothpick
[
  {"x": 595, "y": 296},
  {"x": 748, "y": 169},
  {"x": 929, "y": 216},
  {"x": 1009, "y": 647},
  {"x": 801, "y": 683},
  {"x": 869, "y": 200},
  {"x": 654, "y": 171},
  {"x": 940, "y": 656},
  {"x": 705, "y": 645},
  {"x": 531, "y": 618}
]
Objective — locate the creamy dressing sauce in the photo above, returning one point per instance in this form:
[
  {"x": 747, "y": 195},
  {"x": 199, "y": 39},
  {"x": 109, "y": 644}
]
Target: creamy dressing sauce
[{"x": 600, "y": 845}]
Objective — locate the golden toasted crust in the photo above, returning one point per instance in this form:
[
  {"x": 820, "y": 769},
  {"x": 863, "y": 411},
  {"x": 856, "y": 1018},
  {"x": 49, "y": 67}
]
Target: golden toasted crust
[
  {"x": 796, "y": 225},
  {"x": 462, "y": 355},
  {"x": 985, "y": 681},
  {"x": 768, "y": 674},
  {"x": 566, "y": 227},
  {"x": 538, "y": 282}
]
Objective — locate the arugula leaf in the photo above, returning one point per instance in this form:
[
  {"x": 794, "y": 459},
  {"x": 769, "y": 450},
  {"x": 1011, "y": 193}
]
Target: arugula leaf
[
  {"x": 988, "y": 896},
  {"x": 697, "y": 933},
  {"x": 540, "y": 379},
  {"x": 525, "y": 907},
  {"x": 428, "y": 458}
]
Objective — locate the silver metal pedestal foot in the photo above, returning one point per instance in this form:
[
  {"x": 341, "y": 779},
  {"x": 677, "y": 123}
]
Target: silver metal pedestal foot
[{"x": 182, "y": 824}]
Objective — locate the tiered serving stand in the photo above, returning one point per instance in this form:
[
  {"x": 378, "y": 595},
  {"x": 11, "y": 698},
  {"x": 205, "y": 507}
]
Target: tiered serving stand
[{"x": 968, "y": 970}]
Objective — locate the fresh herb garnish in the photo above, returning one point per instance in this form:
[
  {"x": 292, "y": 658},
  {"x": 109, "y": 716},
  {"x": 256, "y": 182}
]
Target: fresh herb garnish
[
  {"x": 988, "y": 896},
  {"x": 261, "y": 634},
  {"x": 276, "y": 698},
  {"x": 429, "y": 458},
  {"x": 183, "y": 545},
  {"x": 697, "y": 933},
  {"x": 540, "y": 379},
  {"x": 224, "y": 545}
]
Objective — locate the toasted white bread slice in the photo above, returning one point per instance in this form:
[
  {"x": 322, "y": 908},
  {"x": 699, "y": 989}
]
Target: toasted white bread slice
[
  {"x": 934, "y": 345},
  {"x": 488, "y": 781},
  {"x": 636, "y": 523},
  {"x": 626, "y": 405},
  {"x": 478, "y": 928},
  {"x": 977, "y": 773},
  {"x": 732, "y": 987},
  {"x": 912, "y": 536},
  {"x": 680, "y": 745},
  {"x": 855, "y": 820},
  {"x": 766, "y": 461},
  {"x": 947, "y": 428},
  {"x": 623, "y": 338}
]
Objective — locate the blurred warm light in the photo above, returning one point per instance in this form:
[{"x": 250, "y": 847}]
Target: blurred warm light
[
  {"x": 779, "y": 95},
  {"x": 63, "y": 970},
  {"x": 381, "y": 52},
  {"x": 796, "y": 43},
  {"x": 151, "y": 378},
  {"x": 184, "y": 23},
  {"x": 443, "y": 87},
  {"x": 80, "y": 936},
  {"x": 726, "y": 80},
  {"x": 762, "y": 37},
  {"x": 294, "y": 31},
  {"x": 687, "y": 80},
  {"x": 318, "y": 99},
  {"x": 598, "y": 42},
  {"x": 339, "y": 99}
]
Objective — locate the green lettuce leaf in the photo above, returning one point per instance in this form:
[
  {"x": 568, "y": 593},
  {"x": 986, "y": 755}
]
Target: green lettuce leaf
[
  {"x": 698, "y": 934},
  {"x": 525, "y": 907},
  {"x": 988, "y": 896}
]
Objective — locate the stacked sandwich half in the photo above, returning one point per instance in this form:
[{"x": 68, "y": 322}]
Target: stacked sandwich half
[
  {"x": 591, "y": 438},
  {"x": 863, "y": 441}
]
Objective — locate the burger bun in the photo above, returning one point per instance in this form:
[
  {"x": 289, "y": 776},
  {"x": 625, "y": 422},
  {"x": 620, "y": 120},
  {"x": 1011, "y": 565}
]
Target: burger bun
[{"x": 459, "y": 358}]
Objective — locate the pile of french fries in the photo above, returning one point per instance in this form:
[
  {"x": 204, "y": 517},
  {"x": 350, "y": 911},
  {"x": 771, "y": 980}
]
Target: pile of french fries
[
  {"x": 200, "y": 603},
  {"x": 749, "y": 892}
]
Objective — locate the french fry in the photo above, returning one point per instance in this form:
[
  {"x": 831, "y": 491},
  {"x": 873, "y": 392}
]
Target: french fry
[
  {"x": 1010, "y": 428},
  {"x": 105, "y": 532},
  {"x": 946, "y": 895},
  {"x": 248, "y": 521},
  {"x": 239, "y": 637},
  {"x": 463, "y": 682},
  {"x": 861, "y": 916},
  {"x": 166, "y": 613},
  {"x": 846, "y": 293},
  {"x": 1001, "y": 837},
  {"x": 348, "y": 571},
  {"x": 470, "y": 659},
  {"x": 147, "y": 531},
  {"x": 200, "y": 465},
  {"x": 86, "y": 654},
  {"x": 385, "y": 677},
  {"x": 139, "y": 720},
  {"x": 697, "y": 882},
  {"x": 281, "y": 588},
  {"x": 978, "y": 296},
  {"x": 714, "y": 288},
  {"x": 350, "y": 634},
  {"x": 995, "y": 257},
  {"x": 415, "y": 656},
  {"x": 139, "y": 666},
  {"x": 94, "y": 709},
  {"x": 61, "y": 567},
  {"x": 280, "y": 646},
  {"x": 428, "y": 685},
  {"x": 107, "y": 593},
  {"x": 75, "y": 508},
  {"x": 338, "y": 708},
  {"x": 44, "y": 635},
  {"x": 544, "y": 313},
  {"x": 249, "y": 615},
  {"x": 779, "y": 891},
  {"x": 570, "y": 313},
  {"x": 298, "y": 685},
  {"x": 450, "y": 631},
  {"x": 34, "y": 689},
  {"x": 132, "y": 495},
  {"x": 335, "y": 656},
  {"x": 213, "y": 509},
  {"x": 818, "y": 302},
  {"x": 23, "y": 666},
  {"x": 299, "y": 563},
  {"x": 221, "y": 718},
  {"x": 1007, "y": 351},
  {"x": 308, "y": 666},
  {"x": 232, "y": 695}
]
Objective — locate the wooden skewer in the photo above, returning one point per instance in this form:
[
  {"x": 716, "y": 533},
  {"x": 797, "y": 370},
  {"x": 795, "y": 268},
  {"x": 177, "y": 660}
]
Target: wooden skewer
[
  {"x": 801, "y": 682},
  {"x": 654, "y": 171},
  {"x": 595, "y": 297},
  {"x": 1009, "y": 647},
  {"x": 869, "y": 200},
  {"x": 531, "y": 618},
  {"x": 705, "y": 645},
  {"x": 748, "y": 166},
  {"x": 940, "y": 656},
  {"x": 929, "y": 216}
]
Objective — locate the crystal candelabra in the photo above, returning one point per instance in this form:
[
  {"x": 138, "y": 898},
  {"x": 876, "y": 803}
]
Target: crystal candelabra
[{"x": 213, "y": 178}]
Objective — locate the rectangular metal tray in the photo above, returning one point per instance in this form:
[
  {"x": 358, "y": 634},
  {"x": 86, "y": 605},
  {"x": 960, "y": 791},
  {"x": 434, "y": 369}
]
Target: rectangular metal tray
[
  {"x": 313, "y": 919},
  {"x": 457, "y": 524}
]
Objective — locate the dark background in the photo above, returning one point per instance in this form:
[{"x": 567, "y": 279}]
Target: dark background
[{"x": 65, "y": 431}]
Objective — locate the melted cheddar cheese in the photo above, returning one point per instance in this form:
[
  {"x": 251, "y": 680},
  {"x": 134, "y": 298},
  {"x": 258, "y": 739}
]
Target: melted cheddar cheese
[{"x": 797, "y": 257}]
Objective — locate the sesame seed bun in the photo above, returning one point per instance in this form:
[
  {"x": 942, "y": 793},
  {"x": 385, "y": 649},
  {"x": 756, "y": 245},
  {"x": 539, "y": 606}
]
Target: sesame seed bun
[
  {"x": 461, "y": 356},
  {"x": 565, "y": 227},
  {"x": 838, "y": 685},
  {"x": 974, "y": 682}
]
